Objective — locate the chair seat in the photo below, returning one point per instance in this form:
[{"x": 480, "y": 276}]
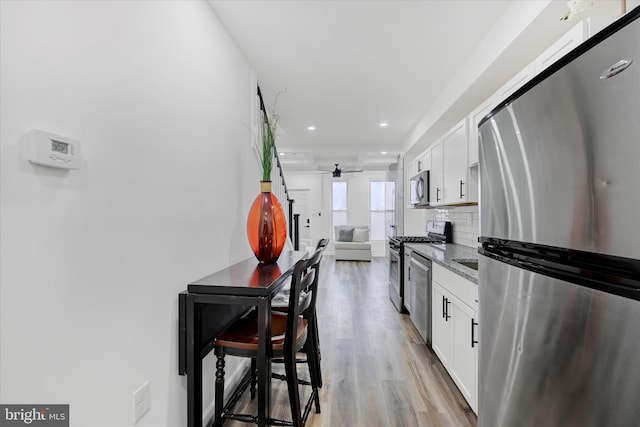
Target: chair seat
[{"x": 243, "y": 334}]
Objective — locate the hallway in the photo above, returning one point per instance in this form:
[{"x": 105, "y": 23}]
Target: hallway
[{"x": 376, "y": 370}]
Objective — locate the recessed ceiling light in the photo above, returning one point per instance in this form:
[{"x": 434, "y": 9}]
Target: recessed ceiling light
[
  {"x": 282, "y": 154},
  {"x": 383, "y": 152},
  {"x": 311, "y": 128},
  {"x": 384, "y": 124}
]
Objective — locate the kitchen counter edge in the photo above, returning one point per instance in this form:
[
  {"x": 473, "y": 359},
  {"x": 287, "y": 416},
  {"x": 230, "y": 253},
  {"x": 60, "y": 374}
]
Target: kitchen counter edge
[{"x": 446, "y": 257}]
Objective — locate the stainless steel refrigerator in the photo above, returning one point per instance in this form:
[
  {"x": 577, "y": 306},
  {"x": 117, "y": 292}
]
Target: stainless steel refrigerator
[{"x": 559, "y": 282}]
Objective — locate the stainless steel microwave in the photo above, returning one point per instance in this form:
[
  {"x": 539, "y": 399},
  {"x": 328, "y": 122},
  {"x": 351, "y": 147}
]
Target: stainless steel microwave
[{"x": 419, "y": 189}]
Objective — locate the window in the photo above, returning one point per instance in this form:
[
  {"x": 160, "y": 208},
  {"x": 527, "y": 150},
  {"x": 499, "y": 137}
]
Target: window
[
  {"x": 382, "y": 211},
  {"x": 339, "y": 203}
]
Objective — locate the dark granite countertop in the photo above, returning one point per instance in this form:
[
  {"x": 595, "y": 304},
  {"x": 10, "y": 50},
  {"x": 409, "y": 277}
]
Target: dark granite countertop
[{"x": 445, "y": 255}]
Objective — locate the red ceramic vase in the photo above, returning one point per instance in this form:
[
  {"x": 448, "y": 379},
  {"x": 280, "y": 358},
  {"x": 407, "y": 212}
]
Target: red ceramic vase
[{"x": 266, "y": 226}]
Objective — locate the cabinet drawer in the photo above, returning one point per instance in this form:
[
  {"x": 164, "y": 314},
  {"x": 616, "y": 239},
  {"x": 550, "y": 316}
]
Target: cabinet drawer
[{"x": 463, "y": 289}]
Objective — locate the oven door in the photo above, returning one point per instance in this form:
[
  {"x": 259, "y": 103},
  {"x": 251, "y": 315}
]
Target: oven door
[{"x": 395, "y": 271}]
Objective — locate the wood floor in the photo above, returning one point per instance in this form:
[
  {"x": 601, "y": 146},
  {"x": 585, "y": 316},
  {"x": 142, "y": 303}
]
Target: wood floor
[{"x": 376, "y": 370}]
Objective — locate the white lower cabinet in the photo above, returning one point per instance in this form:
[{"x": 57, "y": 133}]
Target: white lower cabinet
[
  {"x": 464, "y": 353},
  {"x": 440, "y": 326},
  {"x": 455, "y": 330}
]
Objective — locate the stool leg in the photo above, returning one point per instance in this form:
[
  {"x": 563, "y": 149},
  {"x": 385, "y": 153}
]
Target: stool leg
[
  {"x": 315, "y": 338},
  {"x": 292, "y": 386},
  {"x": 253, "y": 378},
  {"x": 219, "y": 389},
  {"x": 314, "y": 367}
]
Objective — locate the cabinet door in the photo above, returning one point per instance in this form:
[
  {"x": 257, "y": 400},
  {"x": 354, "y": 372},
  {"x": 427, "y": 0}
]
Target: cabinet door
[
  {"x": 436, "y": 189},
  {"x": 465, "y": 350},
  {"x": 474, "y": 120},
  {"x": 440, "y": 324},
  {"x": 426, "y": 160},
  {"x": 412, "y": 168},
  {"x": 515, "y": 83},
  {"x": 561, "y": 47},
  {"x": 455, "y": 146}
]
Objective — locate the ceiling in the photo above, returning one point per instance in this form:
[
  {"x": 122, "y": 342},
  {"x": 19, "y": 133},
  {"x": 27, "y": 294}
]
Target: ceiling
[{"x": 345, "y": 67}]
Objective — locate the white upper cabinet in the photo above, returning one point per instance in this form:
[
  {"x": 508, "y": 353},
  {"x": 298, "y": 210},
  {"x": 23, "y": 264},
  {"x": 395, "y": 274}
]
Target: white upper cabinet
[
  {"x": 474, "y": 120},
  {"x": 412, "y": 168},
  {"x": 572, "y": 39},
  {"x": 436, "y": 178},
  {"x": 560, "y": 48},
  {"x": 419, "y": 164},
  {"x": 516, "y": 82},
  {"x": 455, "y": 146},
  {"x": 450, "y": 169},
  {"x": 426, "y": 160}
]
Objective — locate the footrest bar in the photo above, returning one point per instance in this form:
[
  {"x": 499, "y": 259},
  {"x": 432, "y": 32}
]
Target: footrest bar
[
  {"x": 274, "y": 422},
  {"x": 245, "y": 418},
  {"x": 237, "y": 394},
  {"x": 282, "y": 377}
]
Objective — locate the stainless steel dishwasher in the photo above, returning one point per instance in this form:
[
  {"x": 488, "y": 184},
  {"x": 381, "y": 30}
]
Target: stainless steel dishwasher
[
  {"x": 406, "y": 284},
  {"x": 420, "y": 278}
]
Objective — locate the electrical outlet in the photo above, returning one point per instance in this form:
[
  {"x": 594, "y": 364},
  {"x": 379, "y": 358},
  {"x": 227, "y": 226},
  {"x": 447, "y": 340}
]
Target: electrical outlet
[{"x": 140, "y": 402}]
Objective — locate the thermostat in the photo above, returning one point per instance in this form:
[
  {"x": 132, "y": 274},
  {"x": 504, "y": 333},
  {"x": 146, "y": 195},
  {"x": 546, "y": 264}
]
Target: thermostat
[{"x": 48, "y": 149}]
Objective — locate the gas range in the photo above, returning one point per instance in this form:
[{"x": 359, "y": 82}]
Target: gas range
[
  {"x": 413, "y": 239},
  {"x": 437, "y": 232},
  {"x": 396, "y": 241}
]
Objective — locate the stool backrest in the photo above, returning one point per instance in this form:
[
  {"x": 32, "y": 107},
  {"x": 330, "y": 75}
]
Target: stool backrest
[
  {"x": 315, "y": 267},
  {"x": 322, "y": 243},
  {"x": 301, "y": 295}
]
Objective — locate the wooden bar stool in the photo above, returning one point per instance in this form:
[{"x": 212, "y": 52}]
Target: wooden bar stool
[
  {"x": 289, "y": 332},
  {"x": 312, "y": 317},
  {"x": 312, "y": 345}
]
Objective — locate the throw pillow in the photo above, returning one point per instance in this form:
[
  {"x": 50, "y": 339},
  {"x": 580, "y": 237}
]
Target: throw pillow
[
  {"x": 346, "y": 235},
  {"x": 360, "y": 235}
]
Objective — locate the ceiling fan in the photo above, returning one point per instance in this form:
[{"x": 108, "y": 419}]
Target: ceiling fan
[{"x": 337, "y": 172}]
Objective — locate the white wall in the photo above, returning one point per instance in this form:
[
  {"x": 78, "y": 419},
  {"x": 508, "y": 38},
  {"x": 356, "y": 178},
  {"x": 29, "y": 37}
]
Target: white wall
[{"x": 92, "y": 260}]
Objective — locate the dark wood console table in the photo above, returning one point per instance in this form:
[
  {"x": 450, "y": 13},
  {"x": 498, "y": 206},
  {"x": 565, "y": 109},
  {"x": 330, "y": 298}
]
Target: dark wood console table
[{"x": 211, "y": 304}]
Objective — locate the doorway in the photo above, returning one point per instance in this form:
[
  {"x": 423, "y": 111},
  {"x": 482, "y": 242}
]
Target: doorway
[{"x": 301, "y": 207}]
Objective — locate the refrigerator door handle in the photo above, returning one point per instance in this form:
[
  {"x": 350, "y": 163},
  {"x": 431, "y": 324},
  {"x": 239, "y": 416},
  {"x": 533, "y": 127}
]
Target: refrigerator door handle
[{"x": 608, "y": 273}]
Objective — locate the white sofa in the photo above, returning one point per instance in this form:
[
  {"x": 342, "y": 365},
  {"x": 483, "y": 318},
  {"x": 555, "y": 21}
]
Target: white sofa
[{"x": 352, "y": 243}]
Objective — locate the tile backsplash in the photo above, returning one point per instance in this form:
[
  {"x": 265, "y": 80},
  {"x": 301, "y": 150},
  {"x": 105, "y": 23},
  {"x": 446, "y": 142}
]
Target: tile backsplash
[{"x": 464, "y": 220}]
